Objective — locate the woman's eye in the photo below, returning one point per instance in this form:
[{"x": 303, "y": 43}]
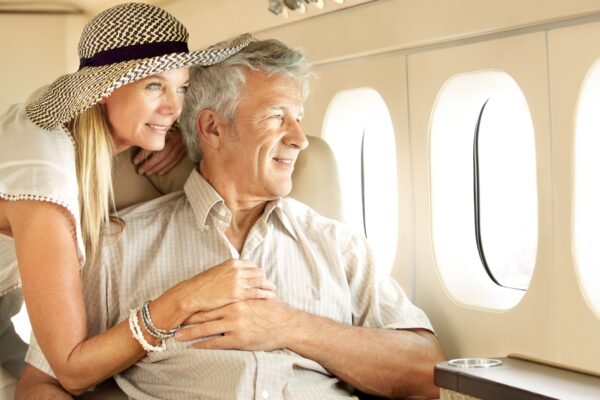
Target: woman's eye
[
  {"x": 153, "y": 86},
  {"x": 183, "y": 89}
]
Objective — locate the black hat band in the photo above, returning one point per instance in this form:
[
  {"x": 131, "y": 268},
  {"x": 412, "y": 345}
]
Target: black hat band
[{"x": 133, "y": 52}]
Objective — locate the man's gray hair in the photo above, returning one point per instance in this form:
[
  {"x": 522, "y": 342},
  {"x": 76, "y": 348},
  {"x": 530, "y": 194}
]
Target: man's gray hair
[{"x": 217, "y": 87}]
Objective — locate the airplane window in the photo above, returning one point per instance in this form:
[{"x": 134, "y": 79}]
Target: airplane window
[
  {"x": 586, "y": 212},
  {"x": 483, "y": 189},
  {"x": 505, "y": 189},
  {"x": 358, "y": 127}
]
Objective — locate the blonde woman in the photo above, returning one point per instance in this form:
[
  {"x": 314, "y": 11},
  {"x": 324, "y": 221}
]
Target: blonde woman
[{"x": 55, "y": 189}]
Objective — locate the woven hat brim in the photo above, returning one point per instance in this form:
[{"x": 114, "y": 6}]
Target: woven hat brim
[{"x": 73, "y": 93}]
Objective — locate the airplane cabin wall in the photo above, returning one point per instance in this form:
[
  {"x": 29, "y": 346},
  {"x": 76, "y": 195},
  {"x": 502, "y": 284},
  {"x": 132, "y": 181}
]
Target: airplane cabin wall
[
  {"x": 390, "y": 83},
  {"x": 529, "y": 327},
  {"x": 572, "y": 51},
  {"x": 33, "y": 49},
  {"x": 547, "y": 48}
]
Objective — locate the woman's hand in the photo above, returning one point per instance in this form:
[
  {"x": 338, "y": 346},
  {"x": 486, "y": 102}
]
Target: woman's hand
[
  {"x": 226, "y": 283},
  {"x": 160, "y": 162}
]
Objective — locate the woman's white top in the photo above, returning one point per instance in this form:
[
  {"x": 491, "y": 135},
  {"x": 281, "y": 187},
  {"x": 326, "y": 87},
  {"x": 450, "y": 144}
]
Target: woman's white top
[{"x": 35, "y": 164}]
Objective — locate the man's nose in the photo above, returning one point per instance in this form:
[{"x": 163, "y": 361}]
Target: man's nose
[{"x": 295, "y": 136}]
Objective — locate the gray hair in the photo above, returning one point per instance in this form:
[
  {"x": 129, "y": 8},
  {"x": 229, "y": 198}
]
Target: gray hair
[{"x": 218, "y": 86}]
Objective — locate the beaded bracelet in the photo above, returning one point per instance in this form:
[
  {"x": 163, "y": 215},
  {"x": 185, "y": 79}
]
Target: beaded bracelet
[
  {"x": 153, "y": 330},
  {"x": 138, "y": 335}
]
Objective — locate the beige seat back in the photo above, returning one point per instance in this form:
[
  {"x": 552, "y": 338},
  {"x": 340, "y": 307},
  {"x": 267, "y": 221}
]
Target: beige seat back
[
  {"x": 8, "y": 384},
  {"x": 315, "y": 180}
]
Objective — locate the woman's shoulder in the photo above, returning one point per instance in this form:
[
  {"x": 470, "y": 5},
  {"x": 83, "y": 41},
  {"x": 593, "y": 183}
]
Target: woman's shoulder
[
  {"x": 22, "y": 139},
  {"x": 26, "y": 146},
  {"x": 37, "y": 164}
]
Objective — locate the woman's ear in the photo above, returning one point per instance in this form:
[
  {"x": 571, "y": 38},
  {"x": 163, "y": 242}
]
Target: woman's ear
[{"x": 209, "y": 128}]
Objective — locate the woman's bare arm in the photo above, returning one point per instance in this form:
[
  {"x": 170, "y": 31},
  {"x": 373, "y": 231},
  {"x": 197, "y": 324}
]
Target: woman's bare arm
[{"x": 46, "y": 251}]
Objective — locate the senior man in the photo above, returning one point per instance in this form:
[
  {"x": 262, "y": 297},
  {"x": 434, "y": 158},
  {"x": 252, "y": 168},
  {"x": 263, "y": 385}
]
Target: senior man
[{"x": 334, "y": 325}]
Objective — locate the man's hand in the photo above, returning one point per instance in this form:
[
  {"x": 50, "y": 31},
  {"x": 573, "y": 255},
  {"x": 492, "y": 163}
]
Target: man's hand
[
  {"x": 246, "y": 325},
  {"x": 384, "y": 362},
  {"x": 160, "y": 162}
]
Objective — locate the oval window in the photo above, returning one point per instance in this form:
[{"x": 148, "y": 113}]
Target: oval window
[
  {"x": 586, "y": 213},
  {"x": 358, "y": 127},
  {"x": 483, "y": 189}
]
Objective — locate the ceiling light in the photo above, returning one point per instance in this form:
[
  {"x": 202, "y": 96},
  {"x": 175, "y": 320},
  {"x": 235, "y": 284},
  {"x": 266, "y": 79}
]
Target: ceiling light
[
  {"x": 278, "y": 7},
  {"x": 320, "y": 4},
  {"x": 293, "y": 4}
]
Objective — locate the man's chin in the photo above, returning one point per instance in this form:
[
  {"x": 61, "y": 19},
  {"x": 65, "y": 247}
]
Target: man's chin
[{"x": 283, "y": 190}]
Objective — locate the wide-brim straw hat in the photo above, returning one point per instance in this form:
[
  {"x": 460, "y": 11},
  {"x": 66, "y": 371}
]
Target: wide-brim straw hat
[{"x": 121, "y": 45}]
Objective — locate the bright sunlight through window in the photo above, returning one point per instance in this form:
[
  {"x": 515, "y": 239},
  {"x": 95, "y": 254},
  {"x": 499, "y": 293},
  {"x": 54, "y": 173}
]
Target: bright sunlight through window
[
  {"x": 587, "y": 190},
  {"x": 359, "y": 130},
  {"x": 484, "y": 191}
]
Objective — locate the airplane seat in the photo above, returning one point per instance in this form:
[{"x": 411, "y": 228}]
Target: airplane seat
[
  {"x": 8, "y": 384},
  {"x": 315, "y": 182},
  {"x": 12, "y": 348}
]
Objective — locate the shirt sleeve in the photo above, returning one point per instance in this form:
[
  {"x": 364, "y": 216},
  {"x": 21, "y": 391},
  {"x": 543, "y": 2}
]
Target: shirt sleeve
[
  {"x": 36, "y": 164},
  {"x": 378, "y": 301}
]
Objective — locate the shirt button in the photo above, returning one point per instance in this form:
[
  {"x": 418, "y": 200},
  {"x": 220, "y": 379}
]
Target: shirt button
[
  {"x": 205, "y": 227},
  {"x": 265, "y": 394},
  {"x": 222, "y": 213}
]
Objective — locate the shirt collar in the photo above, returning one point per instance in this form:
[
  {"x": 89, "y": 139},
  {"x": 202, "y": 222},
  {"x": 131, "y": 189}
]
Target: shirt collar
[
  {"x": 277, "y": 208},
  {"x": 203, "y": 198}
]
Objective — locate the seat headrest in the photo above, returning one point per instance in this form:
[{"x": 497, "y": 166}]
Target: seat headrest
[{"x": 315, "y": 180}]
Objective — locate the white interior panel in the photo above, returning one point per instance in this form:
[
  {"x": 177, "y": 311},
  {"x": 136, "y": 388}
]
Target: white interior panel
[
  {"x": 573, "y": 52},
  {"x": 469, "y": 330}
]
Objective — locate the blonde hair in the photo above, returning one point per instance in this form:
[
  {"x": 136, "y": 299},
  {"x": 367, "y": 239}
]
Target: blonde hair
[{"x": 94, "y": 152}]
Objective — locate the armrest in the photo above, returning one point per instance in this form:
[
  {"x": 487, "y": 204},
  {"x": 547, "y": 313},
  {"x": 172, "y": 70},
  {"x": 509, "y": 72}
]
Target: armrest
[{"x": 518, "y": 379}]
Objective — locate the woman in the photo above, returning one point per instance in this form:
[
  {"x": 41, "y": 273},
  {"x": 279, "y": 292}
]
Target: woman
[{"x": 55, "y": 188}]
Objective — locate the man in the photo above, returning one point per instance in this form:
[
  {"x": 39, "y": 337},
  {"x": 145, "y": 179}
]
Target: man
[{"x": 334, "y": 324}]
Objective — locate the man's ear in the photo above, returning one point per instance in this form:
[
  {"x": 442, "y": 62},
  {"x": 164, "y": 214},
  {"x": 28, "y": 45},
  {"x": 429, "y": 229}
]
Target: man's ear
[{"x": 209, "y": 128}]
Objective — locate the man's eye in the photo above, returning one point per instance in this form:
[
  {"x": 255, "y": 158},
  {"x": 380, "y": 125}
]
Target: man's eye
[{"x": 277, "y": 116}]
